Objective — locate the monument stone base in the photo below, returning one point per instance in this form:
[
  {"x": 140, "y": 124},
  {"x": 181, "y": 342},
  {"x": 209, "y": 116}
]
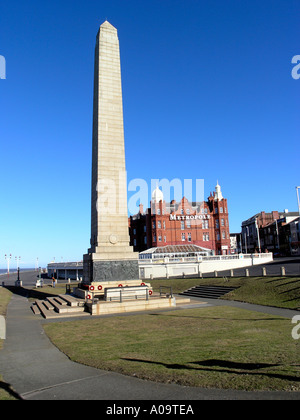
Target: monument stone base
[{"x": 109, "y": 270}]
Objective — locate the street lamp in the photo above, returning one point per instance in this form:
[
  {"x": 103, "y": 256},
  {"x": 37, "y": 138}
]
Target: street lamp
[
  {"x": 258, "y": 237},
  {"x": 17, "y": 262},
  {"x": 247, "y": 230},
  {"x": 8, "y": 258},
  {"x": 297, "y": 190}
]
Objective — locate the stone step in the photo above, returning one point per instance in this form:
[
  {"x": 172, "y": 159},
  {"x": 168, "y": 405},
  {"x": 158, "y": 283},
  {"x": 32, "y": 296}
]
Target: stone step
[
  {"x": 72, "y": 300},
  {"x": 43, "y": 309},
  {"x": 35, "y": 309},
  {"x": 209, "y": 292},
  {"x": 62, "y": 307}
]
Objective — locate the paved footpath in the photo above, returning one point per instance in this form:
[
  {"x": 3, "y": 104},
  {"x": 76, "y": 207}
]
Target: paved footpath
[{"x": 36, "y": 370}]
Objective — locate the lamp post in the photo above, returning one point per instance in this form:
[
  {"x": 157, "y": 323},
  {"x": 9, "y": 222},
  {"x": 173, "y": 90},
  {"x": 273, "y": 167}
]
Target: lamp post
[
  {"x": 8, "y": 258},
  {"x": 277, "y": 233},
  {"x": 245, "y": 237},
  {"x": 247, "y": 230},
  {"x": 297, "y": 190},
  {"x": 17, "y": 261},
  {"x": 258, "y": 238}
]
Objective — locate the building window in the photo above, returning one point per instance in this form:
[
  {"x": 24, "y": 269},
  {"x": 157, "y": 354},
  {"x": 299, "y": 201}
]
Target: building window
[
  {"x": 145, "y": 229},
  {"x": 217, "y": 224},
  {"x": 216, "y": 210},
  {"x": 158, "y": 211},
  {"x": 221, "y": 209},
  {"x": 134, "y": 231},
  {"x": 205, "y": 236},
  {"x": 182, "y": 211},
  {"x": 183, "y": 237},
  {"x": 153, "y": 225},
  {"x": 165, "y": 239},
  {"x": 223, "y": 234},
  {"x": 159, "y": 224},
  {"x": 134, "y": 242},
  {"x": 188, "y": 224},
  {"x": 205, "y": 224},
  {"x": 145, "y": 240},
  {"x": 154, "y": 238},
  {"x": 187, "y": 211},
  {"x": 159, "y": 239},
  {"x": 189, "y": 237},
  {"x": 218, "y": 236},
  {"x": 164, "y": 224},
  {"x": 182, "y": 225},
  {"x": 222, "y": 222},
  {"x": 205, "y": 210}
]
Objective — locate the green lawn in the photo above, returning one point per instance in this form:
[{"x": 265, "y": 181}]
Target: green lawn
[
  {"x": 218, "y": 347},
  {"x": 283, "y": 292},
  {"x": 5, "y": 296}
]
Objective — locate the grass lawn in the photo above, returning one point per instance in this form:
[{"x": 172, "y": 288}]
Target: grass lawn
[
  {"x": 5, "y": 296},
  {"x": 217, "y": 347},
  {"x": 283, "y": 292}
]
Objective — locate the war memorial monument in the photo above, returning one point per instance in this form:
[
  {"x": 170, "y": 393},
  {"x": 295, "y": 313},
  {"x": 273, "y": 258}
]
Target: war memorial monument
[
  {"x": 110, "y": 257},
  {"x": 111, "y": 281}
]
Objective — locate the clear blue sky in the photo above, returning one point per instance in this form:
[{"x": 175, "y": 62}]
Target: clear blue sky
[{"x": 207, "y": 94}]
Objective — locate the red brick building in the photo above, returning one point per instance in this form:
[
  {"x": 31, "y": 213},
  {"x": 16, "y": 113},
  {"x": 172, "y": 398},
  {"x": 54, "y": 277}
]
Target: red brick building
[{"x": 205, "y": 224}]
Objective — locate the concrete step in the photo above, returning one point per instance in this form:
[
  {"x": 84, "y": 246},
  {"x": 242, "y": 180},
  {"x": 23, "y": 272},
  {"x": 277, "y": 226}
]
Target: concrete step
[
  {"x": 209, "y": 292},
  {"x": 45, "y": 312},
  {"x": 72, "y": 300},
  {"x": 62, "y": 307},
  {"x": 41, "y": 307},
  {"x": 58, "y": 306},
  {"x": 35, "y": 309}
]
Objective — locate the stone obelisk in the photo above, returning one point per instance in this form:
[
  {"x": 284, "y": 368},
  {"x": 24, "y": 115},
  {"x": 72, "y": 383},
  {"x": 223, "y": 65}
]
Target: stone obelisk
[{"x": 110, "y": 257}]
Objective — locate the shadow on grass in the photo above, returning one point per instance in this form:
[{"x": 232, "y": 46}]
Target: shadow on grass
[
  {"x": 30, "y": 293},
  {"x": 7, "y": 388},
  {"x": 213, "y": 318},
  {"x": 227, "y": 366}
]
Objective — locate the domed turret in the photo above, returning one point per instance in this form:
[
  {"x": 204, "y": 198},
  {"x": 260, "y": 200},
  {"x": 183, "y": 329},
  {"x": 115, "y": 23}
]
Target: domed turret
[
  {"x": 157, "y": 195},
  {"x": 218, "y": 193}
]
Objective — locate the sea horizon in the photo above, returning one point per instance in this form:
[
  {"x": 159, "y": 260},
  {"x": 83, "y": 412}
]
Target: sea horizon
[{"x": 14, "y": 270}]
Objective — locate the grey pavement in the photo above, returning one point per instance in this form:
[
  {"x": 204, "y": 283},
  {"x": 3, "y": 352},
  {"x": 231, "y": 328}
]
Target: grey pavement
[{"x": 36, "y": 370}]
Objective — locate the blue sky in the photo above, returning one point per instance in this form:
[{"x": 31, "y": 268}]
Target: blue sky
[{"x": 207, "y": 94}]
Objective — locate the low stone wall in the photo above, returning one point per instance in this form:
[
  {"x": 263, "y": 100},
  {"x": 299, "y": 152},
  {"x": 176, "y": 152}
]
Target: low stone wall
[{"x": 102, "y": 307}]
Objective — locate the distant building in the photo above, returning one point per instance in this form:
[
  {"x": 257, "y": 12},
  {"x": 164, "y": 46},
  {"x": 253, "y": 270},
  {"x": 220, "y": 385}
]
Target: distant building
[
  {"x": 281, "y": 236},
  {"x": 235, "y": 243},
  {"x": 204, "y": 224},
  {"x": 66, "y": 270},
  {"x": 271, "y": 232}
]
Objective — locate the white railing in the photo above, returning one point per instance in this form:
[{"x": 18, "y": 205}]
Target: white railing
[{"x": 199, "y": 258}]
